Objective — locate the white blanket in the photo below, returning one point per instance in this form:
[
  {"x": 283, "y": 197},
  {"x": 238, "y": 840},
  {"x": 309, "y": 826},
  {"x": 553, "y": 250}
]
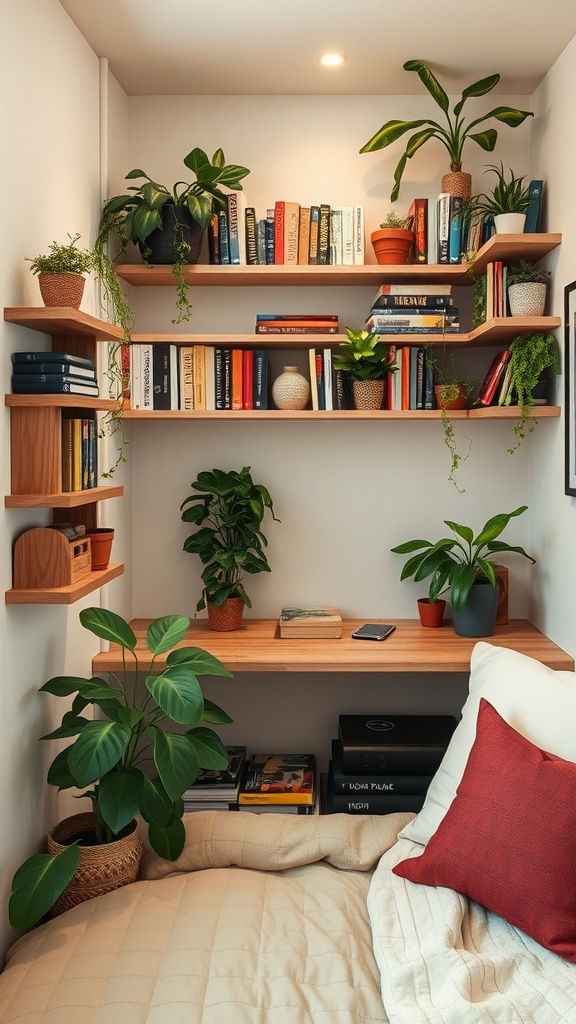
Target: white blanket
[{"x": 443, "y": 959}]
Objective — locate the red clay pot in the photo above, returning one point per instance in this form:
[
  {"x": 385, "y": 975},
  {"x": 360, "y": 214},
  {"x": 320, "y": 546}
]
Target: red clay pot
[{"x": 431, "y": 613}]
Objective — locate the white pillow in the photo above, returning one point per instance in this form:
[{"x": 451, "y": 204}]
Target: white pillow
[{"x": 535, "y": 700}]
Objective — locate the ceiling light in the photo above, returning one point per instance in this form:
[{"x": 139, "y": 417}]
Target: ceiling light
[{"x": 332, "y": 60}]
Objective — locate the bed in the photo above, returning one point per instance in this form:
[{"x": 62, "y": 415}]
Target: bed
[{"x": 341, "y": 919}]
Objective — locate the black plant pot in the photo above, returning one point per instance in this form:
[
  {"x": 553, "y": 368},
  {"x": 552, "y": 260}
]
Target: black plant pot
[
  {"x": 161, "y": 246},
  {"x": 478, "y": 616}
]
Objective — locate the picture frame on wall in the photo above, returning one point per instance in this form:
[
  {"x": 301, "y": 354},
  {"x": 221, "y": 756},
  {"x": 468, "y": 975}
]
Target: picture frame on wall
[{"x": 570, "y": 388}]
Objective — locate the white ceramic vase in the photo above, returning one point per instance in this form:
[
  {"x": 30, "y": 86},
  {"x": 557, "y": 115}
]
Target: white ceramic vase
[{"x": 291, "y": 390}]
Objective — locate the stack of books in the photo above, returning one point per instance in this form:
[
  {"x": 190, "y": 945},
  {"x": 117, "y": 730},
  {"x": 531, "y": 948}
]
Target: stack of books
[
  {"x": 53, "y": 373},
  {"x": 310, "y": 624},
  {"x": 79, "y": 452},
  {"x": 381, "y": 764},
  {"x": 217, "y": 790},
  {"x": 296, "y": 323},
  {"x": 281, "y": 783},
  {"x": 405, "y": 309}
]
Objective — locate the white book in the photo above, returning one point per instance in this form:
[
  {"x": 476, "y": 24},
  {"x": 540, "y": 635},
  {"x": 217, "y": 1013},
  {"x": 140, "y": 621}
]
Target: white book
[
  {"x": 174, "y": 378},
  {"x": 146, "y": 372},
  {"x": 210, "y": 381},
  {"x": 135, "y": 376},
  {"x": 348, "y": 236},
  {"x": 327, "y": 364},
  {"x": 443, "y": 220},
  {"x": 359, "y": 235}
]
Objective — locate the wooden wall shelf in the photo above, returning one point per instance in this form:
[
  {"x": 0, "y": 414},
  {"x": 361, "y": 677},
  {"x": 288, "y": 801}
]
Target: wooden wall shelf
[
  {"x": 533, "y": 247},
  {"x": 493, "y": 412},
  {"x": 62, "y": 320},
  {"x": 65, "y": 499},
  {"x": 65, "y": 595},
  {"x": 256, "y": 647}
]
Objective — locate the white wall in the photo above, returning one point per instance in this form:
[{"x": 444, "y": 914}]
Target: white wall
[{"x": 345, "y": 493}]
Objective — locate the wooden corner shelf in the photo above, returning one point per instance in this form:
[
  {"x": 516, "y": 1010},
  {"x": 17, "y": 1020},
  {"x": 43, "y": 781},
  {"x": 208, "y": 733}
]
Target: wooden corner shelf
[
  {"x": 65, "y": 595},
  {"x": 62, "y": 320},
  {"x": 256, "y": 647}
]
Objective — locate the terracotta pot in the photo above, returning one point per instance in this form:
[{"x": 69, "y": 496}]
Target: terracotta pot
[
  {"x": 431, "y": 612},
  {"x": 61, "y": 289},
  {"x": 226, "y": 617},
  {"x": 450, "y": 396},
  {"x": 368, "y": 394},
  {"x": 457, "y": 183},
  {"x": 100, "y": 546},
  {"x": 392, "y": 246},
  {"x": 102, "y": 868}
]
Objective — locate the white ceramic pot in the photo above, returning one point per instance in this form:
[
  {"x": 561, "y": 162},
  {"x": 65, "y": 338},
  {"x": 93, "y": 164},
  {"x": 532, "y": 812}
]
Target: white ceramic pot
[
  {"x": 527, "y": 299},
  {"x": 509, "y": 223}
]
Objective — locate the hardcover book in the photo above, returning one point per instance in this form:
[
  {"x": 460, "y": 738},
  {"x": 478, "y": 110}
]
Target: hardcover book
[
  {"x": 291, "y": 232},
  {"x": 24, "y": 386},
  {"x": 408, "y": 289},
  {"x": 314, "y": 228},
  {"x": 308, "y": 623},
  {"x": 398, "y": 744},
  {"x": 225, "y": 781},
  {"x": 360, "y": 785},
  {"x": 250, "y": 231},
  {"x": 278, "y": 779},
  {"x": 261, "y": 374},
  {"x": 52, "y": 367},
  {"x": 535, "y": 190},
  {"x": 51, "y": 357},
  {"x": 304, "y": 236},
  {"x": 324, "y": 235},
  {"x": 493, "y": 378}
]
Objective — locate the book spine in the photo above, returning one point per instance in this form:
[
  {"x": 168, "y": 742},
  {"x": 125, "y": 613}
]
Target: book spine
[
  {"x": 260, "y": 379},
  {"x": 92, "y": 452},
  {"x": 409, "y": 289},
  {"x": 186, "y": 378},
  {"x": 25, "y": 387},
  {"x": 421, "y": 230},
  {"x": 279, "y": 231},
  {"x": 335, "y": 236},
  {"x": 455, "y": 229},
  {"x": 218, "y": 378},
  {"x": 420, "y": 361},
  {"x": 324, "y": 235},
  {"x": 49, "y": 357},
  {"x": 313, "y": 378},
  {"x": 348, "y": 236},
  {"x": 261, "y": 242},
  {"x": 413, "y": 303},
  {"x": 319, "y": 364},
  {"x": 214, "y": 240},
  {"x": 269, "y": 236},
  {"x": 135, "y": 377},
  {"x": 223, "y": 234},
  {"x": 339, "y": 390},
  {"x": 85, "y": 453},
  {"x": 227, "y": 378},
  {"x": 286, "y": 329},
  {"x": 291, "y": 233},
  {"x": 364, "y": 761},
  {"x": 248, "y": 378},
  {"x": 236, "y": 378},
  {"x": 199, "y": 376},
  {"x": 328, "y": 379},
  {"x": 54, "y": 370},
  {"x": 314, "y": 228},
  {"x": 67, "y": 456},
  {"x": 443, "y": 219},
  {"x": 233, "y": 228},
  {"x": 535, "y": 190},
  {"x": 360, "y": 785},
  {"x": 324, "y": 318},
  {"x": 251, "y": 240},
  {"x": 359, "y": 235},
  {"x": 161, "y": 380},
  {"x": 304, "y": 236},
  {"x": 374, "y": 803},
  {"x": 428, "y": 398},
  {"x": 395, "y": 319},
  {"x": 51, "y": 378},
  {"x": 209, "y": 376},
  {"x": 147, "y": 371},
  {"x": 405, "y": 378},
  {"x": 76, "y": 454}
]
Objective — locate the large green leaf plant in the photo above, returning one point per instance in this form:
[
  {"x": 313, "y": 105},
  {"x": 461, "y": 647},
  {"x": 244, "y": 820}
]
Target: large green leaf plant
[
  {"x": 454, "y": 133},
  {"x": 130, "y": 760}
]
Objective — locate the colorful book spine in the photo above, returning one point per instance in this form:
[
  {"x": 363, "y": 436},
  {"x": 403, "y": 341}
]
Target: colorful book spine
[
  {"x": 199, "y": 377},
  {"x": 251, "y": 240},
  {"x": 269, "y": 237},
  {"x": 455, "y": 229},
  {"x": 186, "y": 354},
  {"x": 314, "y": 228},
  {"x": 418, "y": 303},
  {"x": 261, "y": 373},
  {"x": 304, "y": 236},
  {"x": 223, "y": 235},
  {"x": 236, "y": 385},
  {"x": 324, "y": 235},
  {"x": 279, "y": 232},
  {"x": 443, "y": 221},
  {"x": 291, "y": 233},
  {"x": 248, "y": 378}
]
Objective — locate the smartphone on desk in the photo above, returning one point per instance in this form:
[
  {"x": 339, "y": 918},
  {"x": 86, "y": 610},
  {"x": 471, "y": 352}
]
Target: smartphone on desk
[{"x": 373, "y": 631}]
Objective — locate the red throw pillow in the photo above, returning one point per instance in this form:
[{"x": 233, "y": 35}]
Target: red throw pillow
[{"x": 508, "y": 840}]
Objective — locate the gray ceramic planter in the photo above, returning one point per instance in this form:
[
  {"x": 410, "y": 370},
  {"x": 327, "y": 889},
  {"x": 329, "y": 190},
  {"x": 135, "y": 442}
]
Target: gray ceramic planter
[{"x": 478, "y": 615}]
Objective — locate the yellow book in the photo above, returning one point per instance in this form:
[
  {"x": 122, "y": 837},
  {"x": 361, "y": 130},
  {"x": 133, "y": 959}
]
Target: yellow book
[
  {"x": 199, "y": 372},
  {"x": 76, "y": 454},
  {"x": 186, "y": 378}
]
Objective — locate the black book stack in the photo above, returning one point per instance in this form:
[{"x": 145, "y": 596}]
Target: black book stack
[{"x": 382, "y": 764}]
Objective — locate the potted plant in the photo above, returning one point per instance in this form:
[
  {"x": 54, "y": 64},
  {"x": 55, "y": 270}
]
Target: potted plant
[
  {"x": 228, "y": 511},
  {"x": 507, "y": 203},
  {"x": 61, "y": 273},
  {"x": 167, "y": 224},
  {"x": 109, "y": 754},
  {"x": 453, "y": 135},
  {"x": 450, "y": 392},
  {"x": 367, "y": 360},
  {"x": 527, "y": 289},
  {"x": 394, "y": 240},
  {"x": 461, "y": 563},
  {"x": 534, "y": 356}
]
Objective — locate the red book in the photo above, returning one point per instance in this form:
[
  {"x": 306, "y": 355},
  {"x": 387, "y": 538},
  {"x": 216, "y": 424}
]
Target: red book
[
  {"x": 405, "y": 381},
  {"x": 493, "y": 377},
  {"x": 248, "y": 378},
  {"x": 418, "y": 214}
]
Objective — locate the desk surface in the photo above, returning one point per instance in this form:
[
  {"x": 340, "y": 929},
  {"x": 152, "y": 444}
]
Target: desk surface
[{"x": 256, "y": 647}]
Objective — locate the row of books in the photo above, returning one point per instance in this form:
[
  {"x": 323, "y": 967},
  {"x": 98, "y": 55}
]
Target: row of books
[
  {"x": 290, "y": 234},
  {"x": 79, "y": 452},
  {"x": 284, "y": 783},
  {"x": 491, "y": 293},
  {"x": 186, "y": 377},
  {"x": 52, "y": 373},
  {"x": 381, "y": 764}
]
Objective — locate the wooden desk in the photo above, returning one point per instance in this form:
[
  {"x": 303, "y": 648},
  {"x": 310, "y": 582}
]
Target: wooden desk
[{"x": 256, "y": 647}]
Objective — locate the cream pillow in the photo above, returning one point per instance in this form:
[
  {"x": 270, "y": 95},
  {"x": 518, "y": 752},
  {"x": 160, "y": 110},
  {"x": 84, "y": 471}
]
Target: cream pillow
[{"x": 535, "y": 700}]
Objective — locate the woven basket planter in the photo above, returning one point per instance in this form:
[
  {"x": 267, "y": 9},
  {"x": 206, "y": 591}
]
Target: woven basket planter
[
  {"x": 62, "y": 289},
  {"x": 368, "y": 394},
  {"x": 226, "y": 617},
  {"x": 101, "y": 868},
  {"x": 457, "y": 183}
]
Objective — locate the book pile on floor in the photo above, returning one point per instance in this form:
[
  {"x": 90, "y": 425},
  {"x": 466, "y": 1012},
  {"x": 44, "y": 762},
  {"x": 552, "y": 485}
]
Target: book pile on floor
[
  {"x": 281, "y": 783},
  {"x": 381, "y": 764},
  {"x": 310, "y": 624},
  {"x": 217, "y": 790}
]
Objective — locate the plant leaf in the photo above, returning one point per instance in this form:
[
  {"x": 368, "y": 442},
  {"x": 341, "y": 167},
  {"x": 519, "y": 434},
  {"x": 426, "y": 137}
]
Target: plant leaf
[
  {"x": 97, "y": 750},
  {"x": 213, "y": 713},
  {"x": 155, "y": 805},
  {"x": 178, "y": 693},
  {"x": 108, "y": 626},
  {"x": 168, "y": 841},
  {"x": 166, "y": 632},
  {"x": 38, "y": 883},
  {"x": 201, "y": 662},
  {"x": 209, "y": 747},
  {"x": 429, "y": 81},
  {"x": 176, "y": 761},
  {"x": 119, "y": 795}
]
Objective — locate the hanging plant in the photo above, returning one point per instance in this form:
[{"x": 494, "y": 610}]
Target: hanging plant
[{"x": 533, "y": 354}]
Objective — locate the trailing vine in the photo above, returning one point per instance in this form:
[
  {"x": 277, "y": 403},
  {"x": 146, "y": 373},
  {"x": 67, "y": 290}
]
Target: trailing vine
[{"x": 532, "y": 355}]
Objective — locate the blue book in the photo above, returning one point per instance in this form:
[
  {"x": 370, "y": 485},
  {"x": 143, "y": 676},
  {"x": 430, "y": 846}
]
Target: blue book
[
  {"x": 233, "y": 228},
  {"x": 269, "y": 237},
  {"x": 455, "y": 229},
  {"x": 51, "y": 357},
  {"x": 21, "y": 386},
  {"x": 223, "y": 236},
  {"x": 535, "y": 190},
  {"x": 52, "y": 367}
]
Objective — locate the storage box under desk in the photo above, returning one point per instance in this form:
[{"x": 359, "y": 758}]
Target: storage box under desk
[{"x": 46, "y": 558}]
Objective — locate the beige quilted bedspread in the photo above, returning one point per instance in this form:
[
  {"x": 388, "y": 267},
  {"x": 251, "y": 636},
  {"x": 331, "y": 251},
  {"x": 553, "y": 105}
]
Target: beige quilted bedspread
[{"x": 262, "y": 920}]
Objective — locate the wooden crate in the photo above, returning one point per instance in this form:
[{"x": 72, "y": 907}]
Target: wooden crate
[{"x": 46, "y": 558}]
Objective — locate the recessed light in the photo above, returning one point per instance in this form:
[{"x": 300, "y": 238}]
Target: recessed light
[{"x": 332, "y": 60}]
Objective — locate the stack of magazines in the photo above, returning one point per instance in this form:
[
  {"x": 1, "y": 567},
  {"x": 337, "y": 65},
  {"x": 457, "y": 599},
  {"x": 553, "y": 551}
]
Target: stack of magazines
[
  {"x": 281, "y": 783},
  {"x": 217, "y": 790}
]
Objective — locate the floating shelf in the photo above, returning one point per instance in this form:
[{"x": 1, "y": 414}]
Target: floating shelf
[
  {"x": 65, "y": 499},
  {"x": 493, "y": 412},
  {"x": 65, "y": 595},
  {"x": 62, "y": 320}
]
